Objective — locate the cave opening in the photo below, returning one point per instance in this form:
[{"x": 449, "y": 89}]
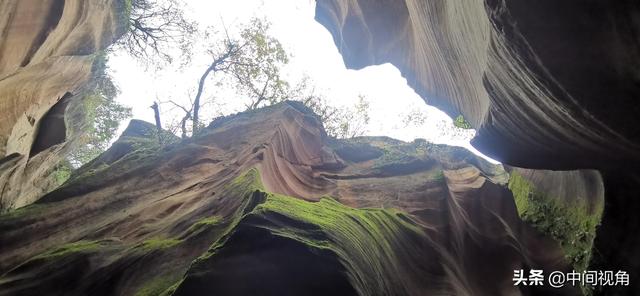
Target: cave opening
[
  {"x": 257, "y": 262},
  {"x": 51, "y": 129}
]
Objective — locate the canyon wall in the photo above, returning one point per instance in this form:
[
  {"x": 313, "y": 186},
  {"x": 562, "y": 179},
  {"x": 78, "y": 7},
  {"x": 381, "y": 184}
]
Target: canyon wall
[
  {"x": 220, "y": 212},
  {"x": 263, "y": 202},
  {"x": 47, "y": 49},
  {"x": 547, "y": 85}
]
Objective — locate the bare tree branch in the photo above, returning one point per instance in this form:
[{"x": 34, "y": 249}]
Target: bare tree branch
[{"x": 155, "y": 27}]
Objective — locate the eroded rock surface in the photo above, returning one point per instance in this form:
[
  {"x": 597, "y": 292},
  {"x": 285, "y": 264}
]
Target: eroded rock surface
[
  {"x": 47, "y": 49},
  {"x": 263, "y": 203},
  {"x": 547, "y": 85}
]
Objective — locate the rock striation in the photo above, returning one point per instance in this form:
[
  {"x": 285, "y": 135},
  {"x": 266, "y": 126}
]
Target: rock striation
[
  {"x": 547, "y": 85},
  {"x": 47, "y": 51},
  {"x": 265, "y": 203}
]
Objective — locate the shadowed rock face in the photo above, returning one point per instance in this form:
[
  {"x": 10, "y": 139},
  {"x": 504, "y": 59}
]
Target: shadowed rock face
[
  {"x": 46, "y": 54},
  {"x": 547, "y": 85},
  {"x": 261, "y": 203}
]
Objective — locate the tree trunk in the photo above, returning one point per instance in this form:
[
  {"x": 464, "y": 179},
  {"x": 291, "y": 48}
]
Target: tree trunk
[
  {"x": 196, "y": 102},
  {"x": 156, "y": 113}
]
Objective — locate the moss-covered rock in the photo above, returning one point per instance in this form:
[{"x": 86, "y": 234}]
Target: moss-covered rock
[
  {"x": 572, "y": 225},
  {"x": 160, "y": 286},
  {"x": 158, "y": 244},
  {"x": 367, "y": 246}
]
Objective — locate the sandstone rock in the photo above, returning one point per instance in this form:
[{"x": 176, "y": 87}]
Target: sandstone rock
[
  {"x": 46, "y": 56},
  {"x": 547, "y": 85},
  {"x": 260, "y": 197}
]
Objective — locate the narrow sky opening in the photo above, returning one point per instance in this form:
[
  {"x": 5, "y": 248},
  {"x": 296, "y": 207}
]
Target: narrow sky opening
[{"x": 313, "y": 53}]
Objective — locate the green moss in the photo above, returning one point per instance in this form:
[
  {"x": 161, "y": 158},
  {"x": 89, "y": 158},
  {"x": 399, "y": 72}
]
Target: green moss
[
  {"x": 158, "y": 286},
  {"x": 158, "y": 244},
  {"x": 570, "y": 224},
  {"x": 204, "y": 223},
  {"x": 77, "y": 247},
  {"x": 330, "y": 215},
  {"x": 22, "y": 212},
  {"x": 247, "y": 190},
  {"x": 96, "y": 172},
  {"x": 399, "y": 153},
  {"x": 462, "y": 123},
  {"x": 372, "y": 244},
  {"x": 169, "y": 291},
  {"x": 438, "y": 176},
  {"x": 247, "y": 182}
]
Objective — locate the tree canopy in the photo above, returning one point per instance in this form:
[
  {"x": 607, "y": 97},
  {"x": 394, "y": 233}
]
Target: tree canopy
[
  {"x": 251, "y": 63},
  {"x": 102, "y": 115},
  {"x": 155, "y": 29}
]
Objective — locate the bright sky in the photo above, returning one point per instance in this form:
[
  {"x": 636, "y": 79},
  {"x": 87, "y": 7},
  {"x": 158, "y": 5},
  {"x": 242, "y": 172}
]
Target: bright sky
[{"x": 313, "y": 53}]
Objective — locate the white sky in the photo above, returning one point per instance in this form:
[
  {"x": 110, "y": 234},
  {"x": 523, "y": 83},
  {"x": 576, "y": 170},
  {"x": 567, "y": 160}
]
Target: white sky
[{"x": 313, "y": 53}]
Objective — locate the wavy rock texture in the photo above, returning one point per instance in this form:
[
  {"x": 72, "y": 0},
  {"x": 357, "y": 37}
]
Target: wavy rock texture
[
  {"x": 46, "y": 55},
  {"x": 547, "y": 85},
  {"x": 264, "y": 203}
]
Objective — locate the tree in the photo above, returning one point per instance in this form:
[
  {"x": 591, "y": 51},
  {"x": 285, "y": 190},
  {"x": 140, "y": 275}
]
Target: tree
[
  {"x": 249, "y": 63},
  {"x": 338, "y": 122},
  {"x": 462, "y": 123},
  {"x": 154, "y": 28},
  {"x": 256, "y": 71},
  {"x": 101, "y": 114},
  {"x": 353, "y": 123},
  {"x": 187, "y": 116},
  {"x": 156, "y": 115},
  {"x": 457, "y": 130},
  {"x": 414, "y": 117},
  {"x": 221, "y": 61}
]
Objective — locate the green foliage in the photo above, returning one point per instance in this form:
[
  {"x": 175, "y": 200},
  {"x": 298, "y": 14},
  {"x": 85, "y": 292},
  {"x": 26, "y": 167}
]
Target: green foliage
[
  {"x": 62, "y": 172},
  {"x": 570, "y": 224},
  {"x": 401, "y": 153},
  {"x": 143, "y": 154},
  {"x": 256, "y": 69},
  {"x": 338, "y": 122},
  {"x": 102, "y": 115},
  {"x": 247, "y": 182},
  {"x": 154, "y": 28},
  {"x": 125, "y": 13},
  {"x": 462, "y": 123},
  {"x": 353, "y": 123}
]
